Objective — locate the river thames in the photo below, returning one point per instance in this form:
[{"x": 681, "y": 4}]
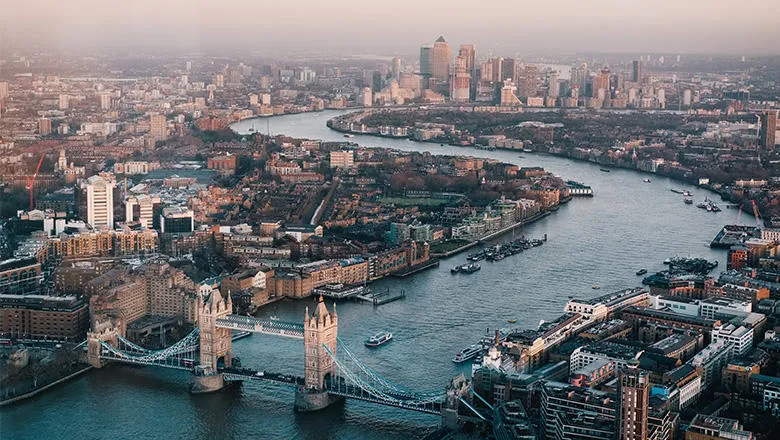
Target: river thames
[{"x": 628, "y": 225}]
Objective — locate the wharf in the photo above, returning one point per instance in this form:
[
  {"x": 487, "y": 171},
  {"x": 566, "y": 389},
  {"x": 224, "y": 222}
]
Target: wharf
[
  {"x": 341, "y": 292},
  {"x": 732, "y": 235},
  {"x": 381, "y": 298}
]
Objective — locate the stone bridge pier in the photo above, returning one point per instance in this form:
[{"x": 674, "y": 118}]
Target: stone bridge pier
[
  {"x": 215, "y": 343},
  {"x": 105, "y": 330}
]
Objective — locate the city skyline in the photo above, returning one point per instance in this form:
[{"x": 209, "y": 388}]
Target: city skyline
[{"x": 690, "y": 27}]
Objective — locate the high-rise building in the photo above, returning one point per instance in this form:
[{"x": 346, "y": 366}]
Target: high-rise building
[
  {"x": 440, "y": 60},
  {"x": 396, "y": 68},
  {"x": 686, "y": 98},
  {"x": 469, "y": 53},
  {"x": 44, "y": 126},
  {"x": 579, "y": 75},
  {"x": 636, "y": 75},
  {"x": 177, "y": 220},
  {"x": 766, "y": 134},
  {"x": 158, "y": 127},
  {"x": 460, "y": 83},
  {"x": 365, "y": 98},
  {"x": 508, "y": 69},
  {"x": 601, "y": 81},
  {"x": 426, "y": 60},
  {"x": 64, "y": 103},
  {"x": 3, "y": 89},
  {"x": 105, "y": 101},
  {"x": 633, "y": 397},
  {"x": 100, "y": 201},
  {"x": 62, "y": 162},
  {"x": 527, "y": 77},
  {"x": 141, "y": 208},
  {"x": 553, "y": 85},
  {"x": 219, "y": 80}
]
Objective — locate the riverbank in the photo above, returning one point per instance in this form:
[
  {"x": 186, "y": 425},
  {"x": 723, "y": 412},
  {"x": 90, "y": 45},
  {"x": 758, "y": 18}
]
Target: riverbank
[
  {"x": 38, "y": 390},
  {"x": 495, "y": 234}
]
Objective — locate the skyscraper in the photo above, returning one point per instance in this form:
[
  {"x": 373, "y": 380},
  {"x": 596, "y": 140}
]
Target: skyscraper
[
  {"x": 105, "y": 101},
  {"x": 440, "y": 60},
  {"x": 633, "y": 397},
  {"x": 44, "y": 126},
  {"x": 637, "y": 71},
  {"x": 460, "y": 83},
  {"x": 426, "y": 59},
  {"x": 469, "y": 53},
  {"x": 396, "y": 68},
  {"x": 554, "y": 85},
  {"x": 100, "y": 201},
  {"x": 508, "y": 67},
  {"x": 526, "y": 79},
  {"x": 766, "y": 134}
]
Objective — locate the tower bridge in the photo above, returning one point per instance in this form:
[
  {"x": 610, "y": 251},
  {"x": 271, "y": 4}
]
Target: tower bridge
[{"x": 331, "y": 371}]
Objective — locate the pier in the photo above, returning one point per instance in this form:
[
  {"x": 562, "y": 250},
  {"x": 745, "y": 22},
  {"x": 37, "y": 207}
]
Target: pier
[{"x": 380, "y": 298}]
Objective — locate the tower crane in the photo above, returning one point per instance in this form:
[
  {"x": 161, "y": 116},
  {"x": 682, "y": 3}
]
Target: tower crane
[{"x": 31, "y": 181}]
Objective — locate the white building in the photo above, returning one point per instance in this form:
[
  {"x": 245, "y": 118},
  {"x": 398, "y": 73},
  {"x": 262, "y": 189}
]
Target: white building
[
  {"x": 100, "y": 201},
  {"x": 710, "y": 362},
  {"x": 711, "y": 307},
  {"x": 141, "y": 208},
  {"x": 770, "y": 234},
  {"x": 740, "y": 338},
  {"x": 601, "y": 307},
  {"x": 676, "y": 304}
]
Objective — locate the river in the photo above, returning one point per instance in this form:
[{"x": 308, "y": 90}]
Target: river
[{"x": 628, "y": 225}]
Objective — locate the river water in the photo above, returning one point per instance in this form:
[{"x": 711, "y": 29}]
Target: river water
[{"x": 601, "y": 241}]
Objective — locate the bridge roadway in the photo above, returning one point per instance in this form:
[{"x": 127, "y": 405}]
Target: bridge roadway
[
  {"x": 235, "y": 374},
  {"x": 254, "y": 325}
]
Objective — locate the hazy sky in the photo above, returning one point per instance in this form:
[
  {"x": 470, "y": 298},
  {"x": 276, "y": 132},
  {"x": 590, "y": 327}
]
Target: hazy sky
[{"x": 399, "y": 26}]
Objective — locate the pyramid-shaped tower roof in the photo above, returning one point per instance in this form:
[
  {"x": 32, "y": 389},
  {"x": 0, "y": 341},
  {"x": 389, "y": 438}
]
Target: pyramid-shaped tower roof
[{"x": 441, "y": 39}]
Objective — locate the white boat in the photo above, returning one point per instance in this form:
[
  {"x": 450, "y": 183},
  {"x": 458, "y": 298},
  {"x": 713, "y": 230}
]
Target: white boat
[
  {"x": 467, "y": 354},
  {"x": 379, "y": 339}
]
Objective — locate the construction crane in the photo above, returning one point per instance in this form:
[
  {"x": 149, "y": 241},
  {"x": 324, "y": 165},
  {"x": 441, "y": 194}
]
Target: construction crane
[
  {"x": 755, "y": 213},
  {"x": 31, "y": 181}
]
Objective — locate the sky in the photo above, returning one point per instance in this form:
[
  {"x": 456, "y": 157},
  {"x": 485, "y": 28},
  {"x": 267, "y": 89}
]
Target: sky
[{"x": 506, "y": 27}]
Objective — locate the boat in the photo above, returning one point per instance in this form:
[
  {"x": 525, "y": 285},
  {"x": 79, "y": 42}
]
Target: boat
[
  {"x": 604, "y": 170},
  {"x": 379, "y": 339},
  {"x": 511, "y": 321},
  {"x": 687, "y": 194},
  {"x": 470, "y": 268},
  {"x": 688, "y": 201},
  {"x": 455, "y": 269},
  {"x": 677, "y": 191},
  {"x": 646, "y": 180},
  {"x": 467, "y": 354},
  {"x": 668, "y": 261},
  {"x": 595, "y": 287},
  {"x": 527, "y": 150},
  {"x": 349, "y": 135},
  {"x": 641, "y": 271}
]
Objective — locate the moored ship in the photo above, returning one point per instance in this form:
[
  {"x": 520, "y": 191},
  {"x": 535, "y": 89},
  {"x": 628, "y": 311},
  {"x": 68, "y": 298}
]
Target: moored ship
[{"x": 467, "y": 354}]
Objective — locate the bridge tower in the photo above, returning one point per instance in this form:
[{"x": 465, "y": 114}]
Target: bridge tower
[
  {"x": 215, "y": 342},
  {"x": 319, "y": 330},
  {"x": 107, "y": 331}
]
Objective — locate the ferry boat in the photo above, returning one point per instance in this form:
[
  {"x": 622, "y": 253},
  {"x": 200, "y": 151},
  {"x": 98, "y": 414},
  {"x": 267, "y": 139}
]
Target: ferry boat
[
  {"x": 467, "y": 354},
  {"x": 470, "y": 268},
  {"x": 379, "y": 339},
  {"x": 641, "y": 271}
]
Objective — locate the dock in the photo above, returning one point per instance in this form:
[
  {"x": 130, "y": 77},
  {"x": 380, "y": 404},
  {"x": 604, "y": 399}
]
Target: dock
[
  {"x": 341, "y": 292},
  {"x": 377, "y": 299},
  {"x": 732, "y": 235}
]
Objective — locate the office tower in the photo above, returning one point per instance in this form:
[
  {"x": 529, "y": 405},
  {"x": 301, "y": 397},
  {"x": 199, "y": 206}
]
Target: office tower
[
  {"x": 498, "y": 66},
  {"x": 579, "y": 75},
  {"x": 469, "y": 52},
  {"x": 508, "y": 67},
  {"x": 661, "y": 98},
  {"x": 637, "y": 71},
  {"x": 633, "y": 398},
  {"x": 188, "y": 66},
  {"x": 219, "y": 80},
  {"x": 440, "y": 61},
  {"x": 44, "y": 126},
  {"x": 141, "y": 208},
  {"x": 105, "y": 101},
  {"x": 554, "y": 85},
  {"x": 527, "y": 77},
  {"x": 766, "y": 134},
  {"x": 100, "y": 201},
  {"x": 3, "y": 89},
  {"x": 177, "y": 220},
  {"x": 64, "y": 102},
  {"x": 426, "y": 60},
  {"x": 460, "y": 83},
  {"x": 254, "y": 100},
  {"x": 508, "y": 97},
  {"x": 601, "y": 81},
  {"x": 396, "y": 68},
  {"x": 62, "y": 162}
]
